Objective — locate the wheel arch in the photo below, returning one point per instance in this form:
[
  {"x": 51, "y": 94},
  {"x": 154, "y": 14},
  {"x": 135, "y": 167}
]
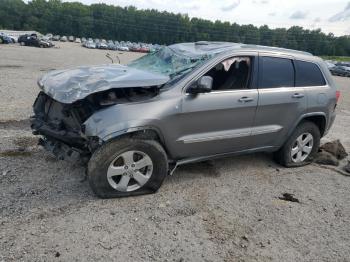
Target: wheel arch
[
  {"x": 318, "y": 118},
  {"x": 142, "y": 132}
]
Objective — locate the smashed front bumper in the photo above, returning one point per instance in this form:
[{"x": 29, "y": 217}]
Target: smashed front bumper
[{"x": 61, "y": 133}]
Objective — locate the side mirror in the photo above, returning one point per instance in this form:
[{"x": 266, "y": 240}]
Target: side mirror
[{"x": 203, "y": 85}]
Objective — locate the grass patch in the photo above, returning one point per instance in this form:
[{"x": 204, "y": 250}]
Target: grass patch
[
  {"x": 13, "y": 153},
  {"x": 337, "y": 58}
]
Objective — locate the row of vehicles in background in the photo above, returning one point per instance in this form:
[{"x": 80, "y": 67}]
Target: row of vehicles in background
[
  {"x": 120, "y": 46},
  {"x": 110, "y": 44},
  {"x": 339, "y": 68},
  {"x": 26, "y": 40},
  {"x": 45, "y": 41}
]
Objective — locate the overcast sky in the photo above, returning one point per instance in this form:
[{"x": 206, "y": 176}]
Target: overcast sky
[{"x": 329, "y": 15}]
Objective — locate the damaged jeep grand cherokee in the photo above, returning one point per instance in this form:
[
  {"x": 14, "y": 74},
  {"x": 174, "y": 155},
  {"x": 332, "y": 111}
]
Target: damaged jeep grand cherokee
[{"x": 132, "y": 125}]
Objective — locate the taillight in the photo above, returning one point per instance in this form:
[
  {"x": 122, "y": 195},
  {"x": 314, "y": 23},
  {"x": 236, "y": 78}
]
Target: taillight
[{"x": 337, "y": 96}]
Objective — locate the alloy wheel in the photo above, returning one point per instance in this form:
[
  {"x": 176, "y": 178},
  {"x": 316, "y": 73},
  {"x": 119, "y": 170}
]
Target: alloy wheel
[
  {"x": 130, "y": 171},
  {"x": 302, "y": 147}
]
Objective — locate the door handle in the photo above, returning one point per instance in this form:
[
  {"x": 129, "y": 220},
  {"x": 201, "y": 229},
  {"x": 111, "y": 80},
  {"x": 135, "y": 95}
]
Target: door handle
[
  {"x": 245, "y": 99},
  {"x": 298, "y": 95}
]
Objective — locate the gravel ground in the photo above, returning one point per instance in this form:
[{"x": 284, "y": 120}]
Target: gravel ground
[{"x": 223, "y": 210}]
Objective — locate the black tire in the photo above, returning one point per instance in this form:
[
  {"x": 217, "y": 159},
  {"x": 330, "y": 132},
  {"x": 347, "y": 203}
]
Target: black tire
[
  {"x": 283, "y": 155},
  {"x": 103, "y": 157}
]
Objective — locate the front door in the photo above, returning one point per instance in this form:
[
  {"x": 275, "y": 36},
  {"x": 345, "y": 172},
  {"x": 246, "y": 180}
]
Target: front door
[{"x": 220, "y": 121}]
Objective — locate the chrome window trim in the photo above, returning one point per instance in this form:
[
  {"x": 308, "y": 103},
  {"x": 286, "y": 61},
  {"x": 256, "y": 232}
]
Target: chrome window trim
[{"x": 214, "y": 62}]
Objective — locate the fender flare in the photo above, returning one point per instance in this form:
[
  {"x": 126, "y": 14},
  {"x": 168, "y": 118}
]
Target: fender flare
[
  {"x": 302, "y": 117},
  {"x": 131, "y": 130}
]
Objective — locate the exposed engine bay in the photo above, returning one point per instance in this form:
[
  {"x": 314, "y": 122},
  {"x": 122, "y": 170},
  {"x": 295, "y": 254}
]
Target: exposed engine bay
[{"x": 61, "y": 125}]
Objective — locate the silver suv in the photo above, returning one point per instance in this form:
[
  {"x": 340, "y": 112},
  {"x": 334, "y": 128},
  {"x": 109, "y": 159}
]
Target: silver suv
[{"x": 184, "y": 103}]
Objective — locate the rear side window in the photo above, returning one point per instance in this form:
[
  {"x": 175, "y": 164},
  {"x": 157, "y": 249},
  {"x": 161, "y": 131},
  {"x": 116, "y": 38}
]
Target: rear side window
[
  {"x": 308, "y": 74},
  {"x": 275, "y": 72}
]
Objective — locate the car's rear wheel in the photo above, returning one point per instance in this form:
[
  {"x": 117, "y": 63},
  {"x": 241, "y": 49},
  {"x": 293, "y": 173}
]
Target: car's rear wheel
[
  {"x": 127, "y": 167},
  {"x": 301, "y": 147}
]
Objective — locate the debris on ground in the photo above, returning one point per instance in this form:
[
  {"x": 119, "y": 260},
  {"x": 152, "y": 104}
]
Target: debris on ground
[
  {"x": 347, "y": 167},
  {"x": 326, "y": 158},
  {"x": 289, "y": 197},
  {"x": 244, "y": 241},
  {"x": 335, "y": 148},
  {"x": 4, "y": 173},
  {"x": 335, "y": 169}
]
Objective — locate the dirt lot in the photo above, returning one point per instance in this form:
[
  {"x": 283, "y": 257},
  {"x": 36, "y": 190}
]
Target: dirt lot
[{"x": 224, "y": 210}]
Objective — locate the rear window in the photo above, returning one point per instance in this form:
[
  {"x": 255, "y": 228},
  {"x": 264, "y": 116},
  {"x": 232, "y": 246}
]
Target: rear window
[
  {"x": 308, "y": 74},
  {"x": 275, "y": 72}
]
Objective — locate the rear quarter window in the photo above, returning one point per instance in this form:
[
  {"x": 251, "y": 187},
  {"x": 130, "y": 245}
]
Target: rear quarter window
[
  {"x": 275, "y": 72},
  {"x": 308, "y": 74}
]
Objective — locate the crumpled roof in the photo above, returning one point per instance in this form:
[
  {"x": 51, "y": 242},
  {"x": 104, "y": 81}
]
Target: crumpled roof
[
  {"x": 201, "y": 48},
  {"x": 68, "y": 86}
]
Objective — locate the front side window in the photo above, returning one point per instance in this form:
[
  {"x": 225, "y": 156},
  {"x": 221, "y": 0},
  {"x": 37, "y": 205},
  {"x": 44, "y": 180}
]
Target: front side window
[
  {"x": 275, "y": 72},
  {"x": 308, "y": 74},
  {"x": 231, "y": 74}
]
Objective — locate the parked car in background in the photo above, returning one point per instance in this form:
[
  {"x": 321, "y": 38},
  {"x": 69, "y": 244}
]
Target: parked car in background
[
  {"x": 330, "y": 64},
  {"x": 34, "y": 40},
  {"x": 83, "y": 39},
  {"x": 4, "y": 39},
  {"x": 101, "y": 45},
  {"x": 45, "y": 38},
  {"x": 63, "y": 39},
  {"x": 123, "y": 48},
  {"x": 347, "y": 64},
  {"x": 49, "y": 37},
  {"x": 90, "y": 44},
  {"x": 144, "y": 49},
  {"x": 77, "y": 40},
  {"x": 56, "y": 38},
  {"x": 111, "y": 45},
  {"x": 71, "y": 38},
  {"x": 340, "y": 70}
]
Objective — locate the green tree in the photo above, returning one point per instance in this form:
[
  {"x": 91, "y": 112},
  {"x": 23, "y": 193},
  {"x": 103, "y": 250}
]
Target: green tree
[{"x": 132, "y": 24}]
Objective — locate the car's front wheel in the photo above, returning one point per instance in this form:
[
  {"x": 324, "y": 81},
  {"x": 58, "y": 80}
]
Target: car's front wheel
[
  {"x": 127, "y": 167},
  {"x": 301, "y": 147}
]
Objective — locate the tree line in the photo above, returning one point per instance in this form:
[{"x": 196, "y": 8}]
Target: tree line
[{"x": 152, "y": 26}]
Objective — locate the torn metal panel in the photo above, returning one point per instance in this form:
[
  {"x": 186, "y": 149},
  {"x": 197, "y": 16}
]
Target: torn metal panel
[{"x": 68, "y": 86}]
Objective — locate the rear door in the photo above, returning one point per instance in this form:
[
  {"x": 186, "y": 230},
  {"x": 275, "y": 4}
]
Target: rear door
[
  {"x": 321, "y": 97},
  {"x": 280, "y": 102}
]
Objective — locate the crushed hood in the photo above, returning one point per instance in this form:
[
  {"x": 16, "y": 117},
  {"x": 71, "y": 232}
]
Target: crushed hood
[{"x": 68, "y": 86}]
